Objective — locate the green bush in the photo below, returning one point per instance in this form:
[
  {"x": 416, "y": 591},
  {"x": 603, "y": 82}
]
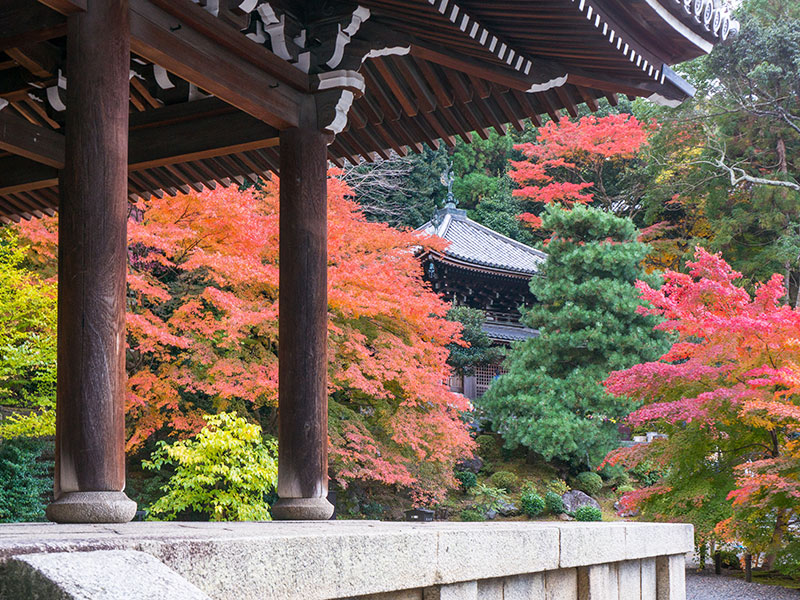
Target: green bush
[
  {"x": 226, "y": 472},
  {"x": 788, "y": 561},
  {"x": 25, "y": 481},
  {"x": 624, "y": 489},
  {"x": 646, "y": 474},
  {"x": 505, "y": 480},
  {"x": 489, "y": 498},
  {"x": 588, "y": 513},
  {"x": 472, "y": 514},
  {"x": 467, "y": 479},
  {"x": 488, "y": 449},
  {"x": 372, "y": 509},
  {"x": 532, "y": 504},
  {"x": 589, "y": 482},
  {"x": 554, "y": 503},
  {"x": 729, "y": 559},
  {"x": 615, "y": 475}
]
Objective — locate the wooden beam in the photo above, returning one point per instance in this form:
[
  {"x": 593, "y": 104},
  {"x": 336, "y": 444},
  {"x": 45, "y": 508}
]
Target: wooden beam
[
  {"x": 18, "y": 174},
  {"x": 610, "y": 85},
  {"x": 211, "y": 136},
  {"x": 221, "y": 32},
  {"x": 15, "y": 84},
  {"x": 174, "y": 134},
  {"x": 180, "y": 46},
  {"x": 590, "y": 100},
  {"x": 65, "y": 7},
  {"x": 31, "y": 141},
  {"x": 26, "y": 22}
]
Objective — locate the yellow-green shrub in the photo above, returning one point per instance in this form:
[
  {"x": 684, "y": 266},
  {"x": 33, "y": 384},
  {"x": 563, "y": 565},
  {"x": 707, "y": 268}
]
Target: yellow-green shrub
[{"x": 225, "y": 471}]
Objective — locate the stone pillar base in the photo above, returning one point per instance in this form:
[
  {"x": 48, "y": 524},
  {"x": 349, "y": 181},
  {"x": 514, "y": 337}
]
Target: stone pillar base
[
  {"x": 302, "y": 509},
  {"x": 92, "y": 507}
]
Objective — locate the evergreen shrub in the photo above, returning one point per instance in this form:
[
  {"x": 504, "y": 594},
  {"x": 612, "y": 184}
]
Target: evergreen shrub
[
  {"x": 532, "y": 504},
  {"x": 472, "y": 514},
  {"x": 589, "y": 482},
  {"x": 506, "y": 480},
  {"x": 589, "y": 322},
  {"x": 554, "y": 503},
  {"x": 488, "y": 449},
  {"x": 588, "y": 513},
  {"x": 25, "y": 473},
  {"x": 467, "y": 479}
]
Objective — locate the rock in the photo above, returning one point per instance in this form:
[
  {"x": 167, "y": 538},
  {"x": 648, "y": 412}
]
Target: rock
[
  {"x": 470, "y": 464},
  {"x": 508, "y": 509},
  {"x": 576, "y": 498},
  {"x": 565, "y": 517},
  {"x": 490, "y": 514}
]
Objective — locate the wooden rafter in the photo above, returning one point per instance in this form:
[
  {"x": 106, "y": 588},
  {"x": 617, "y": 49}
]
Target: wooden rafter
[{"x": 65, "y": 7}]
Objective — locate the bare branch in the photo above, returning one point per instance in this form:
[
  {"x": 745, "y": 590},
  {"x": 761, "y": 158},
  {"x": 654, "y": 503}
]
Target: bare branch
[{"x": 738, "y": 175}]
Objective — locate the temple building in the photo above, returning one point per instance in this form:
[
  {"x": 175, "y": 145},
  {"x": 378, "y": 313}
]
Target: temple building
[{"x": 485, "y": 270}]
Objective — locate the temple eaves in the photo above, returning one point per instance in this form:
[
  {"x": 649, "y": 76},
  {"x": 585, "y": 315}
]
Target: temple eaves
[{"x": 212, "y": 82}]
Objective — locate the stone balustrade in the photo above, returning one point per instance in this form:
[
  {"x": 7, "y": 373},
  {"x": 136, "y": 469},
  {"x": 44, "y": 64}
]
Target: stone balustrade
[{"x": 363, "y": 560}]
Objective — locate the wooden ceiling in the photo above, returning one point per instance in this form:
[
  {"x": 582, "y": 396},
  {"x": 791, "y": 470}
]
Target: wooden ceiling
[{"x": 214, "y": 81}]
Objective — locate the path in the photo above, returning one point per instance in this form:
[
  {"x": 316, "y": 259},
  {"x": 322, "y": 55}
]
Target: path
[{"x": 713, "y": 587}]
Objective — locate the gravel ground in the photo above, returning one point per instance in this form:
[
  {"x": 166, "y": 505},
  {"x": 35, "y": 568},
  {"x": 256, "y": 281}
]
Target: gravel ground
[{"x": 713, "y": 587}]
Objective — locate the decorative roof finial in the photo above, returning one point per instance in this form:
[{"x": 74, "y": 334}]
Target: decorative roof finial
[{"x": 447, "y": 180}]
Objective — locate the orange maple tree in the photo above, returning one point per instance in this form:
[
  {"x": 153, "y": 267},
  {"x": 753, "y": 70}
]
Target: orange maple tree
[
  {"x": 203, "y": 333},
  {"x": 569, "y": 162}
]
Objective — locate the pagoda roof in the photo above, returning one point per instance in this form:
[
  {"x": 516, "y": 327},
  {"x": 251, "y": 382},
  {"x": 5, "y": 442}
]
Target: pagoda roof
[{"x": 473, "y": 244}]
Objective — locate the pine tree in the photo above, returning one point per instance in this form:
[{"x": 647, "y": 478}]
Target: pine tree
[{"x": 552, "y": 400}]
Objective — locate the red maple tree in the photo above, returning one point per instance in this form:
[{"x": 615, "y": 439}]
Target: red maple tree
[
  {"x": 728, "y": 395},
  {"x": 569, "y": 161}
]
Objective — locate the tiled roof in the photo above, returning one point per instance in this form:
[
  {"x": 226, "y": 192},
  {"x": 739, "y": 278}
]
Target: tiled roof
[
  {"x": 508, "y": 333},
  {"x": 473, "y": 243}
]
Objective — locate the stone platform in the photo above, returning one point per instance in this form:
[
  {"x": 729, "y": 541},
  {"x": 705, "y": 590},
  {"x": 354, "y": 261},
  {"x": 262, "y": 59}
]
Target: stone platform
[{"x": 345, "y": 559}]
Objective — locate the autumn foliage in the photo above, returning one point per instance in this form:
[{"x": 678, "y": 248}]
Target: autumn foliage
[
  {"x": 728, "y": 395},
  {"x": 203, "y": 333},
  {"x": 567, "y": 162}
]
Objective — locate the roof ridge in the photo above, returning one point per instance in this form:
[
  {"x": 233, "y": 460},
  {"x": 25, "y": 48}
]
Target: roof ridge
[{"x": 499, "y": 235}]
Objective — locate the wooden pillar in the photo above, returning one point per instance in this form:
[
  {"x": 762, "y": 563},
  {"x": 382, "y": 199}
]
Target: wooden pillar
[
  {"x": 90, "y": 423},
  {"x": 303, "y": 332}
]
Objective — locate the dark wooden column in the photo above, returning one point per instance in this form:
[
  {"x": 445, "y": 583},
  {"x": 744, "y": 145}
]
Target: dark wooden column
[
  {"x": 303, "y": 396},
  {"x": 90, "y": 426}
]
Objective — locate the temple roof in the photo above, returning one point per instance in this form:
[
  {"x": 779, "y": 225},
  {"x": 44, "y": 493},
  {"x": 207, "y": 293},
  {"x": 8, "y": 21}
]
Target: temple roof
[
  {"x": 505, "y": 332},
  {"x": 474, "y": 244}
]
